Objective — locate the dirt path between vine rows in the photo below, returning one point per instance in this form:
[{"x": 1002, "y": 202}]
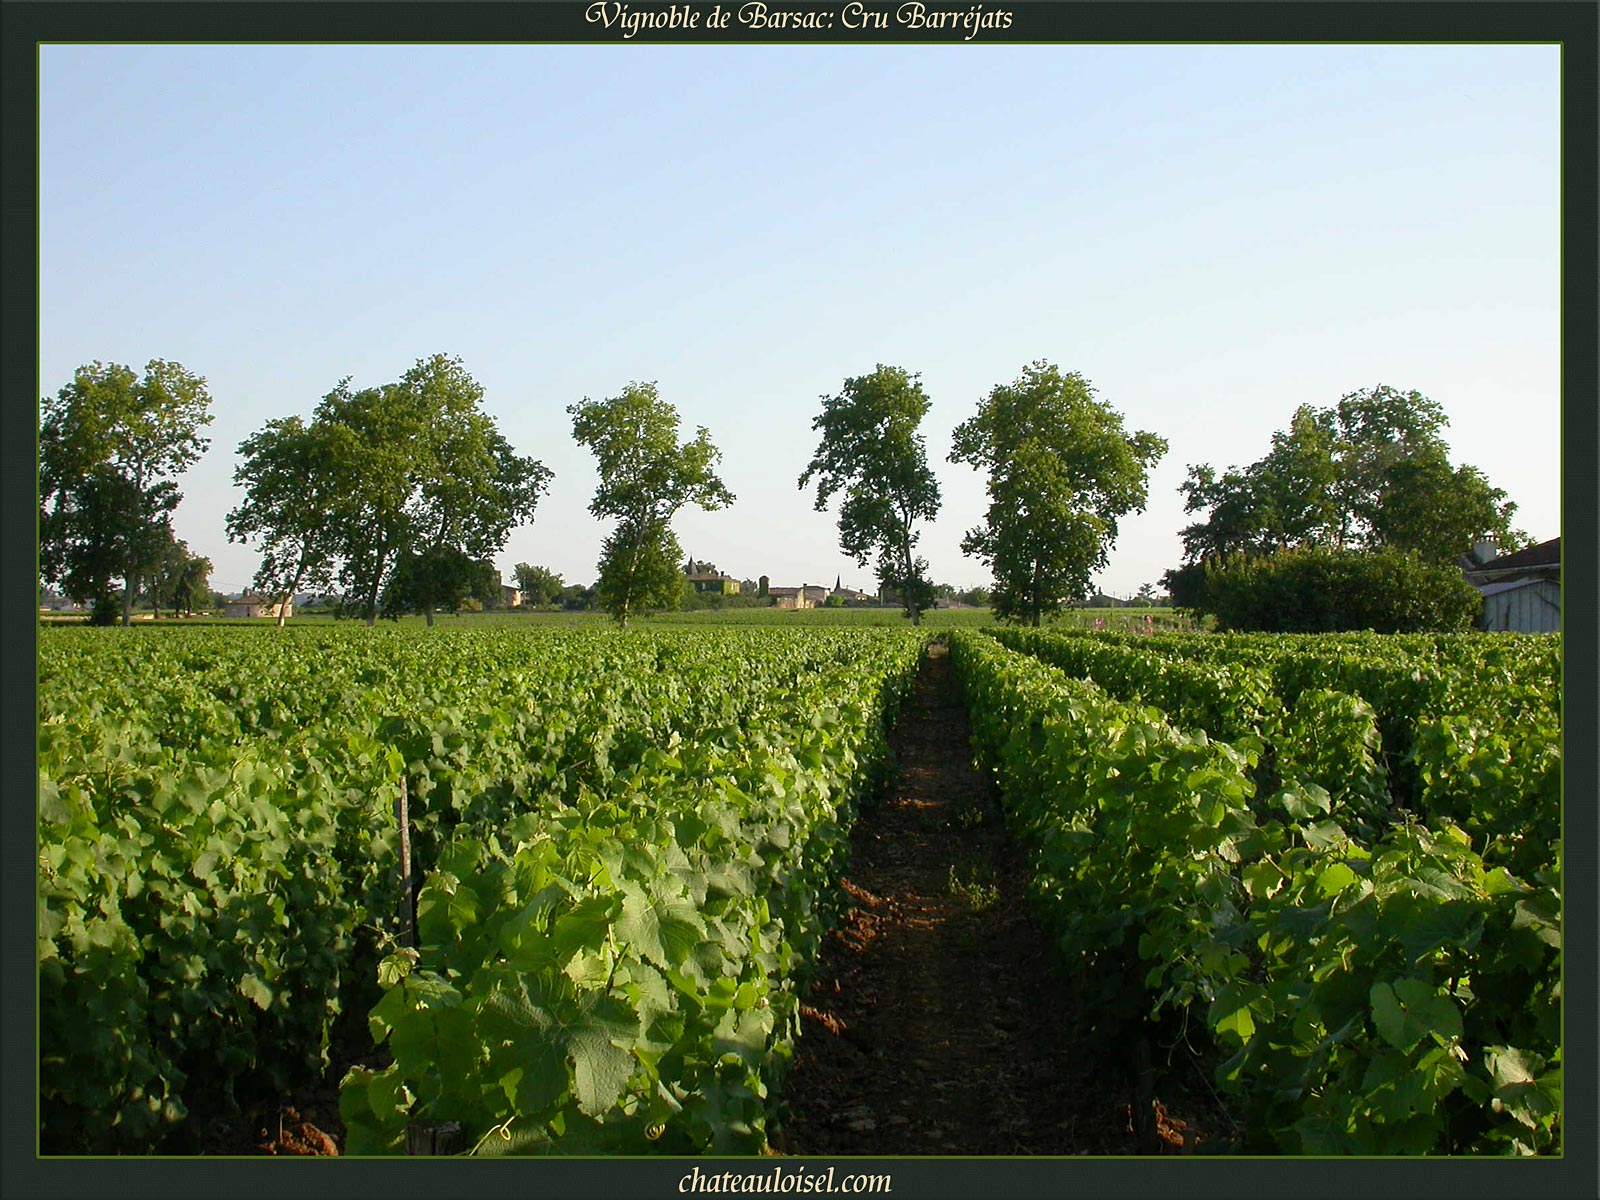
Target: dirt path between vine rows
[{"x": 938, "y": 1022}]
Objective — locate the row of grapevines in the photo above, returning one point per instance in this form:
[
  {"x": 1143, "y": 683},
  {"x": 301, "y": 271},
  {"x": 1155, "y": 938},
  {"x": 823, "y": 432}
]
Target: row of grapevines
[
  {"x": 217, "y": 839},
  {"x": 1473, "y": 740},
  {"x": 203, "y": 899},
  {"x": 1396, "y": 996},
  {"x": 1325, "y": 737},
  {"x": 619, "y": 971},
  {"x": 1473, "y": 736},
  {"x": 1539, "y": 654}
]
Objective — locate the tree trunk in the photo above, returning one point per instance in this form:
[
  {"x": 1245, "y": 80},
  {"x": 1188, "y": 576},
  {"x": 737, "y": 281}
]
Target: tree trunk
[
  {"x": 372, "y": 593},
  {"x": 428, "y": 613},
  {"x": 294, "y": 586},
  {"x": 631, "y": 582},
  {"x": 906, "y": 596},
  {"x": 132, "y": 579}
]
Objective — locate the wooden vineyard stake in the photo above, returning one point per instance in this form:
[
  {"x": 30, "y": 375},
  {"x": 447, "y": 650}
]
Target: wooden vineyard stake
[
  {"x": 1144, "y": 1104},
  {"x": 434, "y": 1138},
  {"x": 408, "y": 903}
]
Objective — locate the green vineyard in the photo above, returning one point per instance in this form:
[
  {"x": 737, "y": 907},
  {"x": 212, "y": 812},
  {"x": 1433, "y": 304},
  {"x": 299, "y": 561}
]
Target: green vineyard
[
  {"x": 1332, "y": 862},
  {"x": 1368, "y": 928}
]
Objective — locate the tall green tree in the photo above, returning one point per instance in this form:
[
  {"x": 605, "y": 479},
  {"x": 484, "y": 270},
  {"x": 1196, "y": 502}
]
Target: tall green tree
[
  {"x": 872, "y": 453},
  {"x": 435, "y": 472},
  {"x": 1368, "y": 472},
  {"x": 1062, "y": 471},
  {"x": 646, "y": 476},
  {"x": 191, "y": 588},
  {"x": 1375, "y": 431},
  {"x": 540, "y": 586},
  {"x": 297, "y": 477},
  {"x": 437, "y": 577},
  {"x": 639, "y": 571},
  {"x": 1296, "y": 483},
  {"x": 178, "y": 579},
  {"x": 1290, "y": 497},
  {"x": 1437, "y": 512},
  {"x": 112, "y": 445},
  {"x": 89, "y": 541},
  {"x": 412, "y": 468}
]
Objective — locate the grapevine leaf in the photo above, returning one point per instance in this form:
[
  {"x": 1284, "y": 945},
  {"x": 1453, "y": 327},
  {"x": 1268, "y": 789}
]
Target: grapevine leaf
[
  {"x": 1234, "y": 1022},
  {"x": 396, "y": 966},
  {"x": 536, "y": 1077},
  {"x": 258, "y": 993},
  {"x": 584, "y": 927},
  {"x": 52, "y": 810},
  {"x": 1324, "y": 835},
  {"x": 1335, "y": 879},
  {"x": 1410, "y": 1010},
  {"x": 1262, "y": 880},
  {"x": 660, "y": 922},
  {"x": 600, "y": 1066},
  {"x": 744, "y": 1034},
  {"x": 1389, "y": 1017}
]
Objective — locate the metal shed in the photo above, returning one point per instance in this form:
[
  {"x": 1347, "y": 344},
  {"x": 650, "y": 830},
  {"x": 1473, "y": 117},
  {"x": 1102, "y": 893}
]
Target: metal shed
[{"x": 1522, "y": 605}]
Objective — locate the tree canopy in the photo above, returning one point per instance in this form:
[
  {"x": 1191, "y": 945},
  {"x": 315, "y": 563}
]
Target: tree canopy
[
  {"x": 539, "y": 586},
  {"x": 178, "y": 579},
  {"x": 872, "y": 452},
  {"x": 296, "y": 477},
  {"x": 413, "y": 471},
  {"x": 111, "y": 447},
  {"x": 1062, "y": 472},
  {"x": 1369, "y": 472},
  {"x": 437, "y": 577},
  {"x": 639, "y": 571},
  {"x": 646, "y": 476}
]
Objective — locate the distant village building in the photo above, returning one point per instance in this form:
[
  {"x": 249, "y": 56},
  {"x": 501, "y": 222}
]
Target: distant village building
[
  {"x": 850, "y": 595},
  {"x": 815, "y": 595},
  {"x": 707, "y": 580},
  {"x": 250, "y": 605},
  {"x": 510, "y": 596},
  {"x": 714, "y": 584},
  {"x": 791, "y": 597},
  {"x": 812, "y": 595},
  {"x": 1521, "y": 591}
]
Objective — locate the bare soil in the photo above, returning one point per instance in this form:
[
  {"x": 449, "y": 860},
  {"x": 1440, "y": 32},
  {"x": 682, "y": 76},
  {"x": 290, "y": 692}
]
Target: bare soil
[
  {"x": 938, "y": 1022},
  {"x": 304, "y": 1122}
]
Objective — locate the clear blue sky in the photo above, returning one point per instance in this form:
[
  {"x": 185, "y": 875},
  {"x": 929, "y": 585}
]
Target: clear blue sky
[{"x": 1211, "y": 235}]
